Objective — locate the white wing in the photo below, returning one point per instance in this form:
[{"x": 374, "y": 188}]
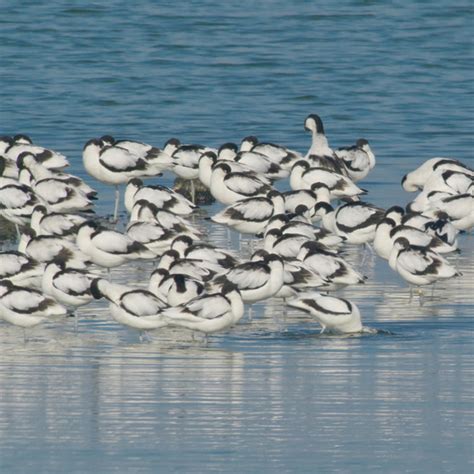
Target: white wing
[
  {"x": 249, "y": 275},
  {"x": 111, "y": 241}
]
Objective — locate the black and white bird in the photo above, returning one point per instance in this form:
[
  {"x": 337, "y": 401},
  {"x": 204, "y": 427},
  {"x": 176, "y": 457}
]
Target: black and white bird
[
  {"x": 144, "y": 210},
  {"x": 69, "y": 286},
  {"x": 199, "y": 269},
  {"x": 331, "y": 267},
  {"x": 450, "y": 181},
  {"x": 304, "y": 176},
  {"x": 439, "y": 226},
  {"x": 419, "y": 265},
  {"x": 296, "y": 276},
  {"x": 190, "y": 249},
  {"x": 358, "y": 159},
  {"x": 114, "y": 165},
  {"x": 227, "y": 186},
  {"x": 209, "y": 312},
  {"x": 59, "y": 192},
  {"x": 26, "y": 307},
  {"x": 133, "y": 307},
  {"x": 319, "y": 142},
  {"x": 109, "y": 248},
  {"x": 416, "y": 179},
  {"x": 161, "y": 196},
  {"x": 45, "y": 248},
  {"x": 49, "y": 158},
  {"x": 57, "y": 224},
  {"x": 277, "y": 153},
  {"x": 255, "y": 280},
  {"x": 258, "y": 162},
  {"x": 21, "y": 269},
  {"x": 32, "y": 173},
  {"x": 17, "y": 202},
  {"x": 286, "y": 225},
  {"x": 458, "y": 208},
  {"x": 186, "y": 160},
  {"x": 335, "y": 315},
  {"x": 285, "y": 245},
  {"x": 209, "y": 159},
  {"x": 152, "y": 235},
  {"x": 251, "y": 215},
  {"x": 300, "y": 197},
  {"x": 387, "y": 232},
  {"x": 174, "y": 288},
  {"x": 355, "y": 221},
  {"x": 156, "y": 158}
]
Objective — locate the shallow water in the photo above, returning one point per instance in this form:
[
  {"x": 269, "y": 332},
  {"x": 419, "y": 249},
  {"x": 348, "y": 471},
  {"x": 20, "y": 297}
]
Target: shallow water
[{"x": 272, "y": 394}]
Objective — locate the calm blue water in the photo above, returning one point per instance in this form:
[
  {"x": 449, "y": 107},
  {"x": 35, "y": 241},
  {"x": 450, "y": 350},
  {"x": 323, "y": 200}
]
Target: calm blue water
[{"x": 271, "y": 395}]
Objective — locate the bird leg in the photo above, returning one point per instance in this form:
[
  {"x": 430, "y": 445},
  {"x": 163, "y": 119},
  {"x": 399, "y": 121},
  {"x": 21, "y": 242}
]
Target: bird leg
[
  {"x": 193, "y": 192},
  {"x": 116, "y": 206},
  {"x": 421, "y": 296}
]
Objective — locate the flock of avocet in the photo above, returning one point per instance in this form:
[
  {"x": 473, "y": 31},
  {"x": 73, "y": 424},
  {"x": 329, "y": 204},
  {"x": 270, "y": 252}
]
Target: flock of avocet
[{"x": 194, "y": 284}]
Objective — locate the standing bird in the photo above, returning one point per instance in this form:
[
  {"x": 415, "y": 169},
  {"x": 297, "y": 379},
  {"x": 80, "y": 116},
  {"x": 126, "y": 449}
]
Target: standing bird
[
  {"x": 208, "y": 313},
  {"x": 159, "y": 195},
  {"x": 320, "y": 154},
  {"x": 255, "y": 280},
  {"x": 358, "y": 159},
  {"x": 419, "y": 265},
  {"x": 112, "y": 164},
  {"x": 109, "y": 248},
  {"x": 26, "y": 307},
  {"x": 49, "y": 158},
  {"x": 276, "y": 153},
  {"x": 416, "y": 179},
  {"x": 335, "y": 315},
  {"x": 69, "y": 286},
  {"x": 355, "y": 221},
  {"x": 186, "y": 161},
  {"x": 228, "y": 186},
  {"x": 251, "y": 215},
  {"x": 136, "y": 308}
]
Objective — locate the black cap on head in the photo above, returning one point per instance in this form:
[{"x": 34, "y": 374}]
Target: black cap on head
[
  {"x": 228, "y": 146},
  {"x": 183, "y": 238},
  {"x": 402, "y": 242},
  {"x": 6, "y": 139},
  {"x": 171, "y": 253},
  {"x": 173, "y": 141},
  {"x": 40, "y": 208},
  {"x": 301, "y": 163},
  {"x": 21, "y": 137},
  {"x": 223, "y": 166},
  {"x": 397, "y": 209},
  {"x": 96, "y": 293},
  {"x": 323, "y": 205},
  {"x": 107, "y": 139},
  {"x": 318, "y": 122},
  {"x": 319, "y": 185},
  {"x": 273, "y": 193},
  {"x": 251, "y": 138},
  {"x": 209, "y": 154},
  {"x": 361, "y": 142},
  {"x": 93, "y": 141},
  {"x": 135, "y": 182},
  {"x": 301, "y": 209}
]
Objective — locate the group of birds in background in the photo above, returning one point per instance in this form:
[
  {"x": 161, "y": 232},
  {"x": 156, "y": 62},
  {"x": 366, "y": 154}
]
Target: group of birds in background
[{"x": 194, "y": 284}]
